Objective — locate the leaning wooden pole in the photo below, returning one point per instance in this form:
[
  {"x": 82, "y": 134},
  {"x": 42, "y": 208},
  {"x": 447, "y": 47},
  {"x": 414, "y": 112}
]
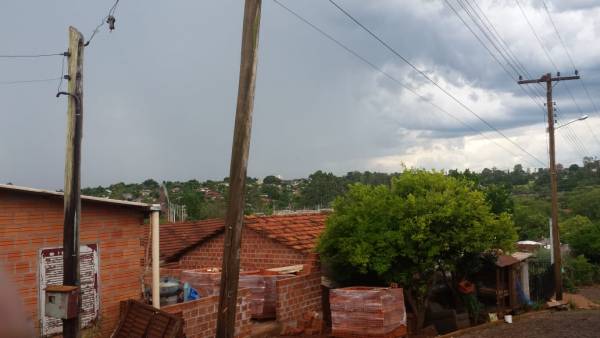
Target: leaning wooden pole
[
  {"x": 237, "y": 174},
  {"x": 72, "y": 200}
]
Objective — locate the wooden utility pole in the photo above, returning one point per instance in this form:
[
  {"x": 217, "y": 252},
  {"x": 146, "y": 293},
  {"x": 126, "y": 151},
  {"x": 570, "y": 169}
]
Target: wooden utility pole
[
  {"x": 237, "y": 174},
  {"x": 72, "y": 200},
  {"x": 548, "y": 79}
]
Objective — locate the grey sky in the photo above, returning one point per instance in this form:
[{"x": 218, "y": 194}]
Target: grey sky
[{"x": 160, "y": 91}]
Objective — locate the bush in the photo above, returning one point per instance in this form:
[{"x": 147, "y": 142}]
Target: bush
[
  {"x": 586, "y": 241},
  {"x": 578, "y": 271}
]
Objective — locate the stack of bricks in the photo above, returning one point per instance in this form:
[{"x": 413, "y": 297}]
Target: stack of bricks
[
  {"x": 205, "y": 281},
  {"x": 262, "y": 296},
  {"x": 368, "y": 312}
]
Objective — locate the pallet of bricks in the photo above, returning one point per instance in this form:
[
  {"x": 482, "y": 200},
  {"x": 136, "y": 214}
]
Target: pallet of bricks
[
  {"x": 263, "y": 294},
  {"x": 368, "y": 312}
]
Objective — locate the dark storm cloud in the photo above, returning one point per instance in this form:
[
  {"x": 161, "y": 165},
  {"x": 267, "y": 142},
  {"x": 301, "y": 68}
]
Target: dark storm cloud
[{"x": 161, "y": 89}]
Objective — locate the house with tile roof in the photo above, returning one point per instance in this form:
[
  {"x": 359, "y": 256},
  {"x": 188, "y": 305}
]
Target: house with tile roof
[{"x": 267, "y": 242}]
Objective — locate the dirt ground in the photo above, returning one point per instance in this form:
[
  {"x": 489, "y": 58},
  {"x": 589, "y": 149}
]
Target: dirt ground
[
  {"x": 561, "y": 324},
  {"x": 591, "y": 292}
]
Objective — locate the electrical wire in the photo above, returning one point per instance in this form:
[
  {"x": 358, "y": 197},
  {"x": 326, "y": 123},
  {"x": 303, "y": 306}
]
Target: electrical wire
[
  {"x": 549, "y": 57},
  {"x": 28, "y": 56},
  {"x": 28, "y": 81},
  {"x": 389, "y": 76},
  {"x": 523, "y": 88},
  {"x": 62, "y": 74},
  {"x": 500, "y": 51},
  {"x": 499, "y": 37},
  {"x": 568, "y": 135},
  {"x": 111, "y": 12},
  {"x": 386, "y": 45},
  {"x": 562, "y": 42}
]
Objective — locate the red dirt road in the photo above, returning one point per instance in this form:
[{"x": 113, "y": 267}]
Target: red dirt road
[{"x": 562, "y": 324}]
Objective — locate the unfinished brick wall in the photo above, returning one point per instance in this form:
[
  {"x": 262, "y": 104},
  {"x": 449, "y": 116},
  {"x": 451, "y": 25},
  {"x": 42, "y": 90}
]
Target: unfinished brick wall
[
  {"x": 200, "y": 316},
  {"x": 29, "y": 223},
  {"x": 258, "y": 252},
  {"x": 299, "y": 302}
]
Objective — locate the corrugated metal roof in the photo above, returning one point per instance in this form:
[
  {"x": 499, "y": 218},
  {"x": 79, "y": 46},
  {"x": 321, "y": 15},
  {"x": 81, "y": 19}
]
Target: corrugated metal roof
[
  {"x": 41, "y": 192},
  {"x": 506, "y": 260},
  {"x": 521, "y": 256}
]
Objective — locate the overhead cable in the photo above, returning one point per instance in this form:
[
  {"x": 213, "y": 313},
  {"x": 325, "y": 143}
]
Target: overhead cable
[
  {"x": 389, "y": 76},
  {"x": 422, "y": 73}
]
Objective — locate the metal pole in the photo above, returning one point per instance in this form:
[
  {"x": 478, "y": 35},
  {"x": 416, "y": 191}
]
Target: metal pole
[{"x": 155, "y": 224}]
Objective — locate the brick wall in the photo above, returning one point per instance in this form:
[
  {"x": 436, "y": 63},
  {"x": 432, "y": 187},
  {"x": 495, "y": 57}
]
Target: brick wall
[
  {"x": 299, "y": 303},
  {"x": 200, "y": 316},
  {"x": 31, "y": 222},
  {"x": 258, "y": 252}
]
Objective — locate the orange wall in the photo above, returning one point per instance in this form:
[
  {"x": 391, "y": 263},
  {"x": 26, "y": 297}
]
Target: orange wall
[
  {"x": 30, "y": 222},
  {"x": 258, "y": 252}
]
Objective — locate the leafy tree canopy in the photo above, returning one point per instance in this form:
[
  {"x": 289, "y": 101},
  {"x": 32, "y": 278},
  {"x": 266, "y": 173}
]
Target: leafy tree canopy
[{"x": 425, "y": 221}]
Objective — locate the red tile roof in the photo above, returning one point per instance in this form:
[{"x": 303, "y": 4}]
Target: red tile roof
[
  {"x": 299, "y": 232},
  {"x": 177, "y": 238}
]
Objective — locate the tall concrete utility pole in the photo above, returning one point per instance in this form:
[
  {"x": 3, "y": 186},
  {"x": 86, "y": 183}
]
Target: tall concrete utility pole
[
  {"x": 237, "y": 176},
  {"x": 548, "y": 79},
  {"x": 72, "y": 190}
]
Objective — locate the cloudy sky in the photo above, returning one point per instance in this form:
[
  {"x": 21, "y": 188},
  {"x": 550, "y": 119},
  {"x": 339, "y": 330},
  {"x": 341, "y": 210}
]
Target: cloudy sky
[{"x": 160, "y": 90}]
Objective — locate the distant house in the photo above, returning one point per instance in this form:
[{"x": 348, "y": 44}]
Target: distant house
[
  {"x": 212, "y": 195},
  {"x": 31, "y": 230}
]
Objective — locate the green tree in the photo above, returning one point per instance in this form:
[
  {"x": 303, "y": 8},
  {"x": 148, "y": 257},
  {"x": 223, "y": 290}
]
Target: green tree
[
  {"x": 425, "y": 222},
  {"x": 321, "y": 189},
  {"x": 586, "y": 241},
  {"x": 585, "y": 201},
  {"x": 271, "y": 179},
  {"x": 531, "y": 216},
  {"x": 571, "y": 226},
  {"x": 499, "y": 198},
  {"x": 193, "y": 202}
]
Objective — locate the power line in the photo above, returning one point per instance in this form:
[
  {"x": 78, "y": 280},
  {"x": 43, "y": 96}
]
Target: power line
[
  {"x": 559, "y": 36},
  {"x": 493, "y": 55},
  {"x": 385, "y": 44},
  {"x": 104, "y": 21},
  {"x": 532, "y": 97},
  {"x": 28, "y": 81},
  {"x": 386, "y": 74},
  {"x": 562, "y": 42},
  {"x": 62, "y": 74},
  {"x": 502, "y": 41},
  {"x": 490, "y": 39},
  {"x": 568, "y": 135},
  {"x": 549, "y": 57},
  {"x": 29, "y": 56},
  {"x": 536, "y": 35}
]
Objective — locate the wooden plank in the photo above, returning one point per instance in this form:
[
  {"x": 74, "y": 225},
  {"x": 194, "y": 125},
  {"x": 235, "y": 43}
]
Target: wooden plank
[{"x": 288, "y": 269}]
